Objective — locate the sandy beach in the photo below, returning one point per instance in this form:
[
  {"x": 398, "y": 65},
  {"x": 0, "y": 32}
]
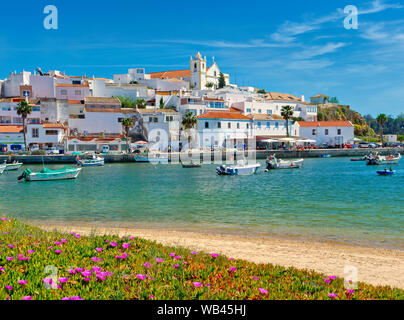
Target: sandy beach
[{"x": 374, "y": 266}]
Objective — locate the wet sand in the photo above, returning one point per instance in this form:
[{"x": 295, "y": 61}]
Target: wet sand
[{"x": 374, "y": 266}]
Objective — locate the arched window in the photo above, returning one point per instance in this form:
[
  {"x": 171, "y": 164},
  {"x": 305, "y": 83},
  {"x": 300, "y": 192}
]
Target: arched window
[{"x": 195, "y": 66}]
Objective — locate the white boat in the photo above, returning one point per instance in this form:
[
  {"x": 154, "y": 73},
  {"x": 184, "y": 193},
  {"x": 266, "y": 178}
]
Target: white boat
[
  {"x": 151, "y": 158},
  {"x": 381, "y": 160},
  {"x": 47, "y": 174},
  {"x": 274, "y": 163},
  {"x": 94, "y": 161},
  {"x": 12, "y": 166},
  {"x": 241, "y": 169},
  {"x": 2, "y": 168}
]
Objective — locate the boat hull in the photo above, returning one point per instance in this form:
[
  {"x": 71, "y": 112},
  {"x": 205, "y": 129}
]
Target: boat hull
[
  {"x": 2, "y": 168},
  {"x": 238, "y": 170},
  {"x": 150, "y": 159},
  {"x": 281, "y": 164},
  {"x": 13, "y": 166},
  {"x": 90, "y": 163},
  {"x": 386, "y": 173},
  {"x": 38, "y": 176}
]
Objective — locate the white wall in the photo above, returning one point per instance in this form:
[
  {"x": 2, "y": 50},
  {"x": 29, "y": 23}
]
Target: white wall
[
  {"x": 43, "y": 86},
  {"x": 347, "y": 134}
]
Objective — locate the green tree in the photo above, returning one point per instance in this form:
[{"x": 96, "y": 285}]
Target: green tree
[
  {"x": 381, "y": 119},
  {"x": 162, "y": 104},
  {"x": 334, "y": 100},
  {"x": 209, "y": 85},
  {"x": 261, "y": 91},
  {"x": 140, "y": 103},
  {"x": 189, "y": 121},
  {"x": 127, "y": 123},
  {"x": 23, "y": 110},
  {"x": 222, "y": 81},
  {"x": 287, "y": 113},
  {"x": 127, "y": 102}
]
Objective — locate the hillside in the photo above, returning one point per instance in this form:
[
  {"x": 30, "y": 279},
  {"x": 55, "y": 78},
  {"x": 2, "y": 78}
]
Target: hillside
[{"x": 340, "y": 112}]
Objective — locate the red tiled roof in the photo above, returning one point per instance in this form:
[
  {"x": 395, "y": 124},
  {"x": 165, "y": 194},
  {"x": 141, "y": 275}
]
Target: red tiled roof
[
  {"x": 171, "y": 74},
  {"x": 74, "y": 101},
  {"x": 325, "y": 123},
  {"x": 73, "y": 85},
  {"x": 10, "y": 129},
  {"x": 223, "y": 115}
]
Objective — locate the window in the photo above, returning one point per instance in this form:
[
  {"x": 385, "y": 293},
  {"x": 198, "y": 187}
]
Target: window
[
  {"x": 76, "y": 82},
  {"x": 248, "y": 126},
  {"x": 268, "y": 124},
  {"x": 219, "y": 124},
  {"x": 248, "y": 110},
  {"x": 339, "y": 131},
  {"x": 238, "y": 126},
  {"x": 259, "y": 110},
  {"x": 169, "y": 118},
  {"x": 276, "y": 125},
  {"x": 269, "y": 112},
  {"x": 120, "y": 119},
  {"x": 259, "y": 124},
  {"x": 326, "y": 132},
  {"x": 51, "y": 132},
  {"x": 63, "y": 92},
  {"x": 313, "y": 132},
  {"x": 229, "y": 125},
  {"x": 26, "y": 93},
  {"x": 35, "y": 133},
  {"x": 207, "y": 125}
]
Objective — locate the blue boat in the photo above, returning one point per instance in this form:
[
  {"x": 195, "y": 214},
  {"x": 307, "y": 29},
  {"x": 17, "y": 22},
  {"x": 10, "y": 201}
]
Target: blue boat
[
  {"x": 386, "y": 173},
  {"x": 151, "y": 158},
  {"x": 324, "y": 155}
]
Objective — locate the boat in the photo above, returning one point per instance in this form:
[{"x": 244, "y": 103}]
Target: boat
[
  {"x": 2, "y": 168},
  {"x": 274, "y": 163},
  {"x": 365, "y": 158},
  {"x": 12, "y": 166},
  {"x": 94, "y": 161},
  {"x": 376, "y": 159},
  {"x": 385, "y": 172},
  {"x": 324, "y": 155},
  {"x": 47, "y": 174},
  {"x": 151, "y": 158},
  {"x": 191, "y": 165},
  {"x": 242, "y": 168}
]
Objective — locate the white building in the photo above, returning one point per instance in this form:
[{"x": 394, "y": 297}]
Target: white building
[
  {"x": 11, "y": 138},
  {"x": 325, "y": 132},
  {"x": 221, "y": 128},
  {"x": 46, "y": 135},
  {"x": 8, "y": 112}
]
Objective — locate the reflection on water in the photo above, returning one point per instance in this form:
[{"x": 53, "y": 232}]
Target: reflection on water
[{"x": 329, "y": 199}]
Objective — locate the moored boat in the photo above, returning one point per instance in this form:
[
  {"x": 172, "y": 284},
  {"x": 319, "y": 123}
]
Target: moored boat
[
  {"x": 191, "y": 165},
  {"x": 94, "y": 161},
  {"x": 12, "y": 166},
  {"x": 242, "y": 168},
  {"x": 2, "y": 168},
  {"x": 46, "y": 174},
  {"x": 386, "y": 172},
  {"x": 274, "y": 163},
  {"x": 380, "y": 160},
  {"x": 151, "y": 158},
  {"x": 324, "y": 155}
]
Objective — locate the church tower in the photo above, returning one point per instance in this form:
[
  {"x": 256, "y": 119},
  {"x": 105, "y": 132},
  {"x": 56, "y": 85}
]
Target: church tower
[{"x": 198, "y": 72}]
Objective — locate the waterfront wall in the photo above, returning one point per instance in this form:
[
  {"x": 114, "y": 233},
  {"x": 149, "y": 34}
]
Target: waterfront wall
[{"x": 260, "y": 154}]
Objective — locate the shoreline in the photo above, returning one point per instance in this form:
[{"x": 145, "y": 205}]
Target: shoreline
[{"x": 375, "y": 266}]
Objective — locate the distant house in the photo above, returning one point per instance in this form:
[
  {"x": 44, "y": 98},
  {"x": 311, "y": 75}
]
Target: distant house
[
  {"x": 320, "y": 99},
  {"x": 325, "y": 132}
]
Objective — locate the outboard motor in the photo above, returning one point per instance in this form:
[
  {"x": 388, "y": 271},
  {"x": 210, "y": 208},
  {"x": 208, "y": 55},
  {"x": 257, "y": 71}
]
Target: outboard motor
[{"x": 221, "y": 170}]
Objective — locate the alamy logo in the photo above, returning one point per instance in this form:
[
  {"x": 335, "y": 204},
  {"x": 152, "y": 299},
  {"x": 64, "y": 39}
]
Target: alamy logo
[
  {"x": 351, "y": 21},
  {"x": 51, "y": 20}
]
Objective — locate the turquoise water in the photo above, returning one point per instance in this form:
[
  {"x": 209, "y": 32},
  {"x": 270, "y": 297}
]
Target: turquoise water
[{"x": 328, "y": 199}]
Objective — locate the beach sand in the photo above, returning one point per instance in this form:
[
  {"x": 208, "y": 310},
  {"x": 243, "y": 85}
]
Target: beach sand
[{"x": 374, "y": 266}]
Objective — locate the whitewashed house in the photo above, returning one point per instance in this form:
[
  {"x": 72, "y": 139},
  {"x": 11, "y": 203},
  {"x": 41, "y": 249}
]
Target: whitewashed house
[
  {"x": 46, "y": 135},
  {"x": 325, "y": 132},
  {"x": 11, "y": 138}
]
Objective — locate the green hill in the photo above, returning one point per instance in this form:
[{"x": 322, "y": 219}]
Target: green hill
[{"x": 340, "y": 112}]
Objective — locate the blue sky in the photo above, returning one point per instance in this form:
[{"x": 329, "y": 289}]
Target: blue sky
[{"x": 298, "y": 47}]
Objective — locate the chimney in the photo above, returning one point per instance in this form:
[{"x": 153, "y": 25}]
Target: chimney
[{"x": 302, "y": 98}]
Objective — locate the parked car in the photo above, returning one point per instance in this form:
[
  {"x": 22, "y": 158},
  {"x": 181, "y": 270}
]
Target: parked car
[
  {"x": 52, "y": 150},
  {"x": 363, "y": 145}
]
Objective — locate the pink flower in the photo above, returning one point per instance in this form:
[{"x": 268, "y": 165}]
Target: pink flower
[
  {"x": 22, "y": 282},
  {"x": 141, "y": 276},
  {"x": 10, "y": 258},
  {"x": 197, "y": 284},
  {"x": 255, "y": 278},
  {"x": 126, "y": 245},
  {"x": 31, "y": 251},
  {"x": 172, "y": 254},
  {"x": 87, "y": 279},
  {"x": 99, "y": 249},
  {"x": 100, "y": 277},
  {"x": 113, "y": 244},
  {"x": 95, "y": 259},
  {"x": 121, "y": 257},
  {"x": 176, "y": 266},
  {"x": 95, "y": 268},
  {"x": 4, "y": 219},
  {"x": 9, "y": 288},
  {"x": 29, "y": 236},
  {"x": 2, "y": 269},
  {"x": 263, "y": 291},
  {"x": 58, "y": 251},
  {"x": 177, "y": 257},
  {"x": 106, "y": 241},
  {"x": 184, "y": 262},
  {"x": 86, "y": 273},
  {"x": 63, "y": 280},
  {"x": 214, "y": 255},
  {"x": 63, "y": 240},
  {"x": 11, "y": 246},
  {"x": 49, "y": 247},
  {"x": 147, "y": 265},
  {"x": 58, "y": 243},
  {"x": 208, "y": 285},
  {"x": 233, "y": 268},
  {"x": 47, "y": 280},
  {"x": 194, "y": 252},
  {"x": 332, "y": 295},
  {"x": 350, "y": 291},
  {"x": 24, "y": 258},
  {"x": 26, "y": 298},
  {"x": 326, "y": 280},
  {"x": 159, "y": 259},
  {"x": 79, "y": 269},
  {"x": 332, "y": 277},
  {"x": 151, "y": 297},
  {"x": 71, "y": 271},
  {"x": 131, "y": 238},
  {"x": 77, "y": 236}
]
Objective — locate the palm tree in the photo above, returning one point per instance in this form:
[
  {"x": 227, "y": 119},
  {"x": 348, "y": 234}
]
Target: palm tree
[
  {"x": 127, "y": 123},
  {"x": 287, "y": 113},
  {"x": 189, "y": 121},
  {"x": 381, "y": 119},
  {"x": 23, "y": 110},
  {"x": 140, "y": 103}
]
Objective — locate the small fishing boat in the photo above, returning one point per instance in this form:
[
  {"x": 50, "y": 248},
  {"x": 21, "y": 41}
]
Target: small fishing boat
[
  {"x": 360, "y": 159},
  {"x": 324, "y": 155},
  {"x": 386, "y": 173},
  {"x": 274, "y": 163},
  {"x": 94, "y": 161},
  {"x": 242, "y": 168},
  {"x": 47, "y": 174},
  {"x": 380, "y": 160},
  {"x": 2, "y": 168},
  {"x": 151, "y": 158},
  {"x": 12, "y": 166},
  {"x": 191, "y": 165}
]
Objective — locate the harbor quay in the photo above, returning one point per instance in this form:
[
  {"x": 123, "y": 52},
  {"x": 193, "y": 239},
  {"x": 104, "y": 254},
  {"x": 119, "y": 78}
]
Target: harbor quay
[{"x": 205, "y": 156}]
